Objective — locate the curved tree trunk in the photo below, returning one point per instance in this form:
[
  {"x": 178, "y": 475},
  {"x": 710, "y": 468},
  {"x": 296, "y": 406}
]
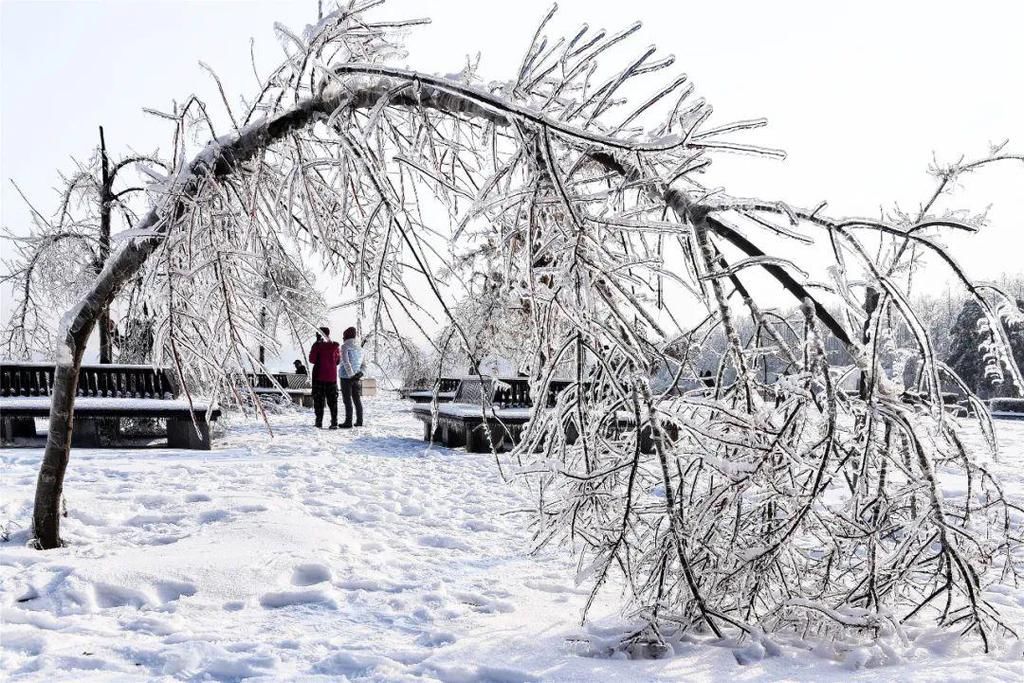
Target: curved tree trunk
[
  {"x": 366, "y": 85},
  {"x": 50, "y": 485}
]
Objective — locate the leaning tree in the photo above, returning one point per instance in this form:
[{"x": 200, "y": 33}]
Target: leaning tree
[{"x": 786, "y": 503}]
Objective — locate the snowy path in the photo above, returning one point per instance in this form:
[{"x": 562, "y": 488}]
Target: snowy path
[{"x": 356, "y": 554}]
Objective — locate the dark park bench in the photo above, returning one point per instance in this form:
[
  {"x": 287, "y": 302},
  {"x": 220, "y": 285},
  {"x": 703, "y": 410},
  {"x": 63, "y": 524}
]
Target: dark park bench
[
  {"x": 1006, "y": 408},
  {"x": 297, "y": 387},
  {"x": 953, "y": 403},
  {"x": 500, "y": 405},
  {"x": 445, "y": 388},
  {"x": 104, "y": 392}
]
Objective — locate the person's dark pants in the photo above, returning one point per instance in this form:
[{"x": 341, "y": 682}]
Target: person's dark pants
[
  {"x": 352, "y": 392},
  {"x": 325, "y": 392}
]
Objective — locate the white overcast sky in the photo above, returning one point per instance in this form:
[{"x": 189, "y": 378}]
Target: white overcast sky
[{"x": 860, "y": 94}]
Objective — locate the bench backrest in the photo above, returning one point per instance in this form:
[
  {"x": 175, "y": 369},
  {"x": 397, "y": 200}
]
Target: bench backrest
[
  {"x": 508, "y": 392},
  {"x": 109, "y": 381},
  {"x": 286, "y": 380},
  {"x": 446, "y": 384},
  {"x": 502, "y": 392}
]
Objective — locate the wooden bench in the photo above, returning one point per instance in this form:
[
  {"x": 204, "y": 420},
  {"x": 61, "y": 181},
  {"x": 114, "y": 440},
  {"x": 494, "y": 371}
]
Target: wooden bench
[
  {"x": 1006, "y": 408},
  {"x": 298, "y": 388},
  {"x": 622, "y": 421},
  {"x": 503, "y": 405},
  {"x": 445, "y": 389},
  {"x": 104, "y": 392},
  {"x": 499, "y": 405}
]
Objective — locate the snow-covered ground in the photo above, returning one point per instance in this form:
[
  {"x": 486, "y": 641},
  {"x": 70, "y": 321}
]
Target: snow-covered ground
[{"x": 357, "y": 554}]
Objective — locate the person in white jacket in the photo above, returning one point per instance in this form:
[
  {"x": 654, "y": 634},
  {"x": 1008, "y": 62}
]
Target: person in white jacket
[{"x": 350, "y": 371}]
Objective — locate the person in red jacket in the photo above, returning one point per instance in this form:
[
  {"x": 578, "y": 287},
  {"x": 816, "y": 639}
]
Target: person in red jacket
[{"x": 325, "y": 356}]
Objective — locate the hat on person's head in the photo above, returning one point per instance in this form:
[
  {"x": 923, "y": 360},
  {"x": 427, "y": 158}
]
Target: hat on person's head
[
  {"x": 349, "y": 333},
  {"x": 326, "y": 331}
]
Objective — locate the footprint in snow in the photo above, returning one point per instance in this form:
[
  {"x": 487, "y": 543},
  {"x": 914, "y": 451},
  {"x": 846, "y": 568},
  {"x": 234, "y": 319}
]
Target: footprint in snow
[
  {"x": 310, "y": 574},
  {"x": 481, "y": 603},
  {"x": 152, "y": 625},
  {"x": 169, "y": 591},
  {"x": 310, "y": 596},
  {"x": 435, "y": 638},
  {"x": 553, "y": 587},
  {"x": 149, "y": 500},
  {"x": 213, "y": 516},
  {"x": 106, "y": 596},
  {"x": 436, "y": 541}
]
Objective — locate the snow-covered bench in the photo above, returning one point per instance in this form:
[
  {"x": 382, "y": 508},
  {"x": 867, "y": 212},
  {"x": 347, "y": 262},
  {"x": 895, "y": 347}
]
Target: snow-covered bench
[
  {"x": 503, "y": 405},
  {"x": 445, "y": 390},
  {"x": 499, "y": 405},
  {"x": 104, "y": 391},
  {"x": 1006, "y": 408},
  {"x": 297, "y": 387}
]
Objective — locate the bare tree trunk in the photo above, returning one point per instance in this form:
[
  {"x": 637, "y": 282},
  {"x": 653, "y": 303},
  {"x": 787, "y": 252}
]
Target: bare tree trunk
[
  {"x": 106, "y": 198},
  {"x": 871, "y": 297},
  {"x": 263, "y": 318},
  {"x": 50, "y": 485}
]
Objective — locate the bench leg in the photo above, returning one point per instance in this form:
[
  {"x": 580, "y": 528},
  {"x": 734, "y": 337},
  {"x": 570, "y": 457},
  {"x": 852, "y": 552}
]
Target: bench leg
[
  {"x": 85, "y": 433},
  {"x": 455, "y": 433},
  {"x": 302, "y": 400},
  {"x": 437, "y": 435},
  {"x": 646, "y": 440},
  {"x": 182, "y": 434},
  {"x": 571, "y": 432},
  {"x": 109, "y": 429},
  {"x": 515, "y": 433},
  {"x": 476, "y": 439},
  {"x": 18, "y": 427},
  {"x": 669, "y": 435}
]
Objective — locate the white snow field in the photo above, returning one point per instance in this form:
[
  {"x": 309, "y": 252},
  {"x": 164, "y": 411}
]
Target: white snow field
[{"x": 354, "y": 555}]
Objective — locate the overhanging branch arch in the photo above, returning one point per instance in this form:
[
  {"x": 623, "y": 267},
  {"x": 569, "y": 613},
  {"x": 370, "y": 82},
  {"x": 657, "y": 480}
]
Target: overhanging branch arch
[{"x": 582, "y": 216}]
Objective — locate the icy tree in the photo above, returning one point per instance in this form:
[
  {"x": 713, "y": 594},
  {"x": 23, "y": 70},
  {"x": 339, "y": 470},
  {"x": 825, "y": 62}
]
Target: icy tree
[
  {"x": 975, "y": 359},
  {"x": 56, "y": 262},
  {"x": 495, "y": 320},
  {"x": 790, "y": 504}
]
